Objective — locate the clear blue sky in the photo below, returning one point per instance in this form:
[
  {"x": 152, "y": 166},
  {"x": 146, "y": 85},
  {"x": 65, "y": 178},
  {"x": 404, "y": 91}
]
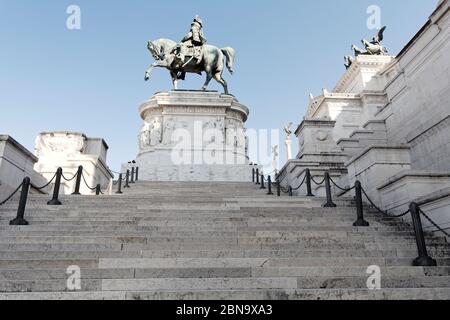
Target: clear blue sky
[{"x": 91, "y": 80}]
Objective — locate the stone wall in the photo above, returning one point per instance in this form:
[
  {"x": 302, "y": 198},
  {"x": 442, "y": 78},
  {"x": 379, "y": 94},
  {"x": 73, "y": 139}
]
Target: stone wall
[
  {"x": 16, "y": 163},
  {"x": 419, "y": 95}
]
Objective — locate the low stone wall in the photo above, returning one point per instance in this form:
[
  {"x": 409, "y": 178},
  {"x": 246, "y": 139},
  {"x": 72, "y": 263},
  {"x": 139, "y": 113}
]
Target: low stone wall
[{"x": 16, "y": 163}]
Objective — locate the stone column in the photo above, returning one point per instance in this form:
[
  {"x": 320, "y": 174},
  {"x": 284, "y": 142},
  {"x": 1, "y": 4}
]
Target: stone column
[{"x": 288, "y": 143}]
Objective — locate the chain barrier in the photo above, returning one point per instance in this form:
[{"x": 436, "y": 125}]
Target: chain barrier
[
  {"x": 68, "y": 180},
  {"x": 383, "y": 211},
  {"x": 284, "y": 190},
  {"x": 84, "y": 179},
  {"x": 434, "y": 223},
  {"x": 45, "y": 186},
  {"x": 319, "y": 184},
  {"x": 423, "y": 259},
  {"x": 339, "y": 187},
  {"x": 301, "y": 184},
  {"x": 12, "y": 195}
]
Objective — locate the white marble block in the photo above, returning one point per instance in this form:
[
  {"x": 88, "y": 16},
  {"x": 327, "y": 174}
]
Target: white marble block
[
  {"x": 315, "y": 138},
  {"x": 69, "y": 150},
  {"x": 193, "y": 136},
  {"x": 377, "y": 163},
  {"x": 401, "y": 189}
]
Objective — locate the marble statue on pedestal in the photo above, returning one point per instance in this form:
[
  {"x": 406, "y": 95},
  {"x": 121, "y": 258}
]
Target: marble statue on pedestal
[
  {"x": 192, "y": 55},
  {"x": 288, "y": 140},
  {"x": 275, "y": 159},
  {"x": 373, "y": 47}
]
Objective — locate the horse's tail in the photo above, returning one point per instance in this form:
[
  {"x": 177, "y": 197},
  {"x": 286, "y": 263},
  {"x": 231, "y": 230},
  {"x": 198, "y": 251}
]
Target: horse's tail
[{"x": 229, "y": 55}]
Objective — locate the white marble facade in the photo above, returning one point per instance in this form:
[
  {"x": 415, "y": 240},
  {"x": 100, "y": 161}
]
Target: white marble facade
[
  {"x": 387, "y": 124},
  {"x": 193, "y": 136}
]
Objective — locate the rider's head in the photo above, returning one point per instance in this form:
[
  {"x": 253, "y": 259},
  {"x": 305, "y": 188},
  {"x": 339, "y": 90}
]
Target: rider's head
[{"x": 198, "y": 20}]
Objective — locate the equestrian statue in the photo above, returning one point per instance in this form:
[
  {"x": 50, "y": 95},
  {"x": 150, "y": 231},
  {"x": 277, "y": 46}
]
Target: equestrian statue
[{"x": 191, "y": 55}]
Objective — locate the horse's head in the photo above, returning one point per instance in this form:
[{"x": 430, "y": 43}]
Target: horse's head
[{"x": 156, "y": 50}]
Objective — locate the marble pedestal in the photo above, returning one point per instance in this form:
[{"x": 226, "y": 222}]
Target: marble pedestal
[
  {"x": 69, "y": 150},
  {"x": 193, "y": 136}
]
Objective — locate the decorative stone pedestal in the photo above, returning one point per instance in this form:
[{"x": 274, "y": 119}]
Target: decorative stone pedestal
[
  {"x": 69, "y": 150},
  {"x": 193, "y": 136}
]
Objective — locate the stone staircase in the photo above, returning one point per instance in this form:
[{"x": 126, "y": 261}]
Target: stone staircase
[{"x": 196, "y": 240}]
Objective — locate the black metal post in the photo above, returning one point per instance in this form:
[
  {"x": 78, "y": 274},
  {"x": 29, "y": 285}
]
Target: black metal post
[
  {"x": 132, "y": 175},
  {"x": 262, "y": 182},
  {"x": 127, "y": 180},
  {"x": 424, "y": 260},
  {"x": 98, "y": 190},
  {"x": 308, "y": 183},
  {"x": 278, "y": 188},
  {"x": 269, "y": 185},
  {"x": 257, "y": 176},
  {"x": 119, "y": 182},
  {"x": 137, "y": 174},
  {"x": 329, "y": 203},
  {"x": 19, "y": 220},
  {"x": 78, "y": 181},
  {"x": 55, "y": 201},
  {"x": 360, "y": 222},
  {"x": 253, "y": 175},
  {"x": 291, "y": 192}
]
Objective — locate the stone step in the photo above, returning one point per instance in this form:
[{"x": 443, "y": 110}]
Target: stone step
[
  {"x": 81, "y": 246},
  {"x": 298, "y": 294},
  {"x": 237, "y": 262},
  {"x": 311, "y": 245},
  {"x": 211, "y": 240},
  {"x": 331, "y": 234},
  {"x": 217, "y": 242},
  {"x": 246, "y": 272},
  {"x": 191, "y": 221},
  {"x": 198, "y": 284},
  {"x": 340, "y": 271},
  {"x": 213, "y": 249},
  {"x": 11, "y": 255},
  {"x": 197, "y": 230},
  {"x": 245, "y": 237},
  {"x": 256, "y": 262},
  {"x": 47, "y": 263},
  {"x": 44, "y": 296},
  {"x": 85, "y": 223},
  {"x": 229, "y": 211},
  {"x": 267, "y": 283},
  {"x": 47, "y": 285},
  {"x": 236, "y": 295},
  {"x": 216, "y": 283}
]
